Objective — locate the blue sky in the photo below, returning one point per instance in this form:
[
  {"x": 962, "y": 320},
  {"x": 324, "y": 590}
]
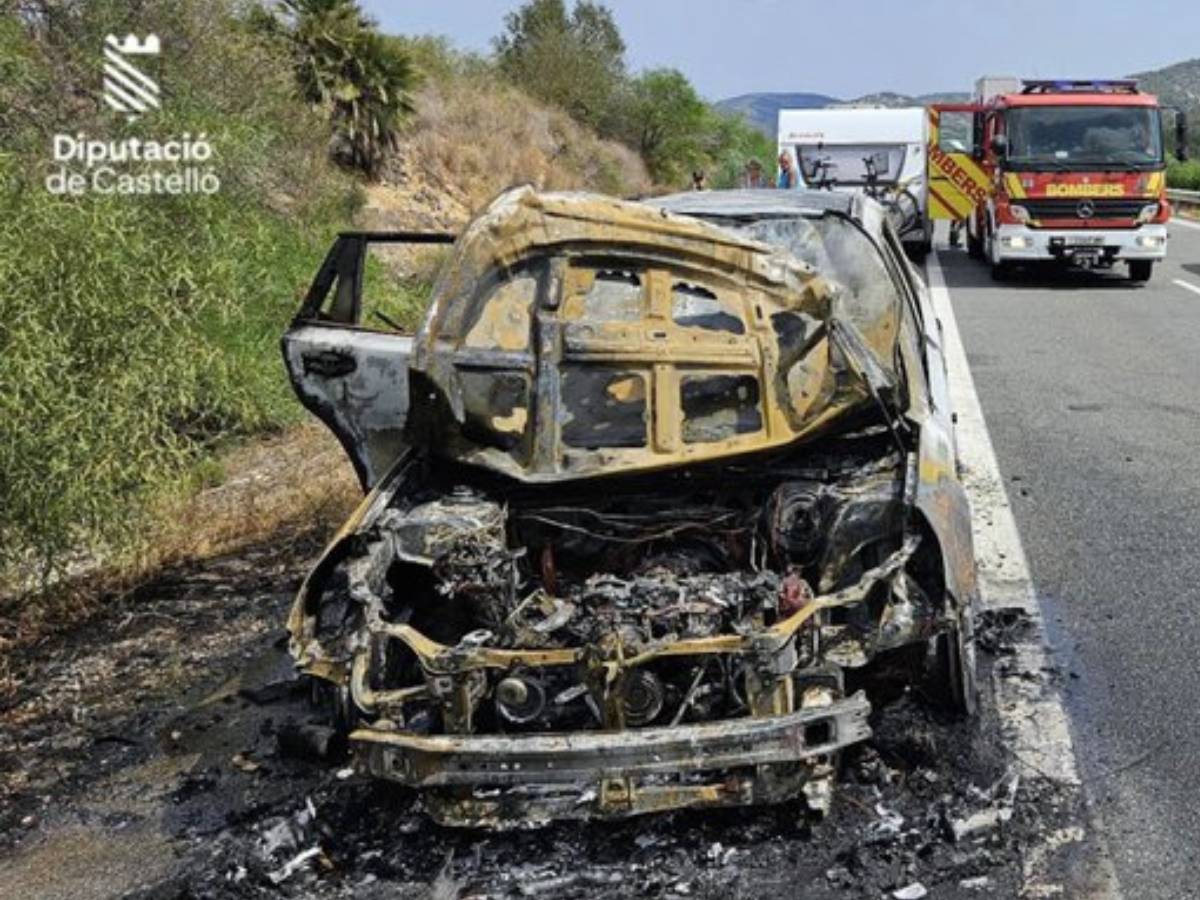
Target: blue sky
[{"x": 852, "y": 47}]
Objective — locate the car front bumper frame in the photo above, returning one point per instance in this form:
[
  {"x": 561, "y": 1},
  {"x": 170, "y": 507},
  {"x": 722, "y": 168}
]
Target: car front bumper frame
[{"x": 483, "y": 780}]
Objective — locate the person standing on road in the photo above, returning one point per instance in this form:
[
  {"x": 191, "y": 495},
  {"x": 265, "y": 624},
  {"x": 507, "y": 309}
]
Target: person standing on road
[
  {"x": 956, "y": 230},
  {"x": 788, "y": 176},
  {"x": 699, "y": 180},
  {"x": 753, "y": 176}
]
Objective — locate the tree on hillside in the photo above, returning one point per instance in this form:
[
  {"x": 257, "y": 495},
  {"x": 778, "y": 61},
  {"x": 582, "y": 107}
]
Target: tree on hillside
[
  {"x": 345, "y": 65},
  {"x": 665, "y": 120},
  {"x": 731, "y": 142},
  {"x": 574, "y": 60}
]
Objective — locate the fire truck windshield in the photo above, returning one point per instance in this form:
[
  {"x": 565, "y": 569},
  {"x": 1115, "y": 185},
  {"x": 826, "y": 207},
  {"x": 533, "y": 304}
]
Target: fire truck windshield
[{"x": 1084, "y": 137}]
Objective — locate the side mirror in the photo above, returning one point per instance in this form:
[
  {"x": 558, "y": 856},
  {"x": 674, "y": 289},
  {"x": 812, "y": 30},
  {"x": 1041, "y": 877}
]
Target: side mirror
[
  {"x": 1000, "y": 146},
  {"x": 1181, "y": 136}
]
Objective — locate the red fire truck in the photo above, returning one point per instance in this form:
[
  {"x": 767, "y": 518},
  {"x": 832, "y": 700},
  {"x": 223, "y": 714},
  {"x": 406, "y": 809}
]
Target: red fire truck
[{"x": 1070, "y": 172}]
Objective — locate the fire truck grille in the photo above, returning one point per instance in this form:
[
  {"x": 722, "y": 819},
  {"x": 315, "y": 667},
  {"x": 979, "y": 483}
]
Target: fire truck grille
[{"x": 1075, "y": 208}]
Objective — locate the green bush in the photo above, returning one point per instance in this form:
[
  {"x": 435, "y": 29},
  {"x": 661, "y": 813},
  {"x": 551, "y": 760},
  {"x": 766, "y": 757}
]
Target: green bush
[
  {"x": 573, "y": 58},
  {"x": 138, "y": 332},
  {"x": 1184, "y": 175},
  {"x": 734, "y": 144}
]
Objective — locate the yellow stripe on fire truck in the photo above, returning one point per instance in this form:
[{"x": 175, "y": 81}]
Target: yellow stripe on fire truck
[{"x": 957, "y": 184}]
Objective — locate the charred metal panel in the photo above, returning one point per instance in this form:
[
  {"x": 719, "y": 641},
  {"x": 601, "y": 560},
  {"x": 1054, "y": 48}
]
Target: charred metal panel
[
  {"x": 650, "y": 296},
  {"x": 356, "y": 382}
]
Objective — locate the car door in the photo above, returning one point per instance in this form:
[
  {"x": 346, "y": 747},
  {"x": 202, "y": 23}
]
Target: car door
[
  {"x": 347, "y": 369},
  {"x": 957, "y": 182}
]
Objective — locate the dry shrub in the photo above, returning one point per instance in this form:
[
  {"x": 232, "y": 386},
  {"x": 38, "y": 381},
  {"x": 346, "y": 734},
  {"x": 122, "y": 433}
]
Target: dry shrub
[
  {"x": 294, "y": 488},
  {"x": 473, "y": 136},
  {"x": 291, "y": 483}
]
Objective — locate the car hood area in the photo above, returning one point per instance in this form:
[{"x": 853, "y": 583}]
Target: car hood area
[{"x": 574, "y": 335}]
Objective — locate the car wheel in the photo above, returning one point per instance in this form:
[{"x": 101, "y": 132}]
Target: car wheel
[
  {"x": 1140, "y": 269},
  {"x": 953, "y": 658},
  {"x": 334, "y": 704}
]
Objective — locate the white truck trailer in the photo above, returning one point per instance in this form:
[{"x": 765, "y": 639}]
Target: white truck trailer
[{"x": 872, "y": 150}]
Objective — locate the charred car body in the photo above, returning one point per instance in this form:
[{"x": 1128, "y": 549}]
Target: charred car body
[{"x": 649, "y": 483}]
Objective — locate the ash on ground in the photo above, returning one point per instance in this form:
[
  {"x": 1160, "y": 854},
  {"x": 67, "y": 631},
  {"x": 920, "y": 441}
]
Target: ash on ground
[{"x": 171, "y": 732}]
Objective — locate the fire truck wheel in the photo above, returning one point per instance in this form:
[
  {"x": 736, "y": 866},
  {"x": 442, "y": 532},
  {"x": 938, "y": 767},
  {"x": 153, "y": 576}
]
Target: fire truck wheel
[
  {"x": 1140, "y": 269},
  {"x": 974, "y": 246},
  {"x": 1001, "y": 271}
]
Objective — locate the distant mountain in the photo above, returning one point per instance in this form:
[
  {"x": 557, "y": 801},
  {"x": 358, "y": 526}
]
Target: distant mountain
[
  {"x": 893, "y": 100},
  {"x": 1175, "y": 85},
  {"x": 762, "y": 110}
]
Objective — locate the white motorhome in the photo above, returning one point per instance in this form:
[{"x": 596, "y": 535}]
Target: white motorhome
[{"x": 877, "y": 151}]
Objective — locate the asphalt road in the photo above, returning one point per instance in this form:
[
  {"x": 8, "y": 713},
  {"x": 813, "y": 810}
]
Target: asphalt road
[{"x": 1090, "y": 386}]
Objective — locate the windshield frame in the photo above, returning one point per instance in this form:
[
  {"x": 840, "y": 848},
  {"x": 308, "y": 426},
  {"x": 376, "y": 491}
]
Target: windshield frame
[
  {"x": 1015, "y": 160},
  {"x": 906, "y": 297}
]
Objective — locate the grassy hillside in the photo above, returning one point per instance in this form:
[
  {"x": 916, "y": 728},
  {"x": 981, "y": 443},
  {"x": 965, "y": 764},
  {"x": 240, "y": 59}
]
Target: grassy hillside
[
  {"x": 140, "y": 333},
  {"x": 472, "y": 136}
]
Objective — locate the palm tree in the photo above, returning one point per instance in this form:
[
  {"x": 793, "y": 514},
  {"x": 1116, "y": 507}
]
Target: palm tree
[
  {"x": 370, "y": 103},
  {"x": 346, "y": 66}
]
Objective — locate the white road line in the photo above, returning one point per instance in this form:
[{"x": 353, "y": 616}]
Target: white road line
[
  {"x": 1185, "y": 223},
  {"x": 1030, "y": 711},
  {"x": 1186, "y": 285}
]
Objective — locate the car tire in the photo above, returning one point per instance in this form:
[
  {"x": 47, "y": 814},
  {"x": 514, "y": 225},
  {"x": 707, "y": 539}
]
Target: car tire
[
  {"x": 952, "y": 655},
  {"x": 1140, "y": 269},
  {"x": 333, "y": 703}
]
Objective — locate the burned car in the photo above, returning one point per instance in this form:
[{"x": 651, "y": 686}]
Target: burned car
[{"x": 648, "y": 488}]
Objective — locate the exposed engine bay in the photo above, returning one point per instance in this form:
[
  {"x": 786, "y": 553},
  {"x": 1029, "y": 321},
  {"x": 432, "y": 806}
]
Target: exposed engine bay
[{"x": 529, "y": 626}]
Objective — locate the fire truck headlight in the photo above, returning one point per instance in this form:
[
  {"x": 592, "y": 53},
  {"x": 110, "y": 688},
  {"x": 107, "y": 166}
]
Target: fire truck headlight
[
  {"x": 1016, "y": 241},
  {"x": 1148, "y": 213},
  {"x": 1151, "y": 241},
  {"x": 1019, "y": 213}
]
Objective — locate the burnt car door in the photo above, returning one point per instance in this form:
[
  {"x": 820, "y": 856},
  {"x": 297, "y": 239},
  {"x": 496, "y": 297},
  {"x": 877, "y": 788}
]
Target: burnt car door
[{"x": 349, "y": 364}]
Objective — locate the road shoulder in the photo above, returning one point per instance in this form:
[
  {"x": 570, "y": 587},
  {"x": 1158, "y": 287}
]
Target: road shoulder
[{"x": 1071, "y": 859}]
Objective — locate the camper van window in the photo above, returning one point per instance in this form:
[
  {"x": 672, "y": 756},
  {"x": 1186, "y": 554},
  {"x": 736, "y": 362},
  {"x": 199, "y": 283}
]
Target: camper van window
[{"x": 851, "y": 164}]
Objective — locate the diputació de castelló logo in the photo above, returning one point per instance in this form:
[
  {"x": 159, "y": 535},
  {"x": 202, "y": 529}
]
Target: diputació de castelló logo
[
  {"x": 127, "y": 88},
  {"x": 134, "y": 165}
]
